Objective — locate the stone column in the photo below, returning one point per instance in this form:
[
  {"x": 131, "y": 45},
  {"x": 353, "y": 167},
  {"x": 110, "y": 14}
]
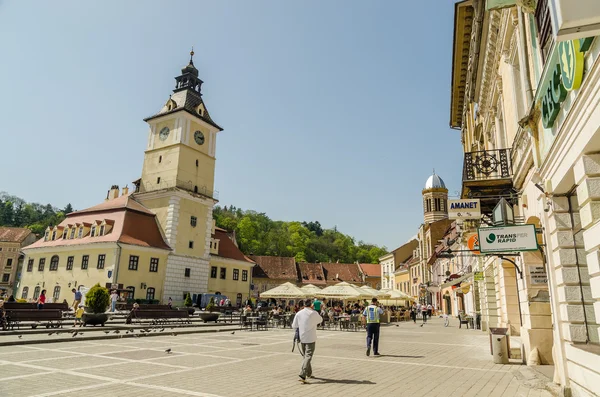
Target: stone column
[
  {"x": 587, "y": 178},
  {"x": 567, "y": 254}
]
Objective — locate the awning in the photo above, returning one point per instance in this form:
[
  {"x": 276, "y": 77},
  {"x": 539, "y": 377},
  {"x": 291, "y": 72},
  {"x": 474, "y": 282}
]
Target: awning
[{"x": 456, "y": 280}]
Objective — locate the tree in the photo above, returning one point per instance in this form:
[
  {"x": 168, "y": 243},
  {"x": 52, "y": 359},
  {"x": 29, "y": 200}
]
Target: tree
[
  {"x": 188, "y": 300},
  {"x": 68, "y": 209}
]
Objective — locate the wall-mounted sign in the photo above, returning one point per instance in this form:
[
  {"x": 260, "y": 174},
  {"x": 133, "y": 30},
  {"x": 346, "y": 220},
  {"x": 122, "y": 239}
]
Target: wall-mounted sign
[
  {"x": 507, "y": 239},
  {"x": 473, "y": 243},
  {"x": 574, "y": 22},
  {"x": 464, "y": 209},
  {"x": 538, "y": 275},
  {"x": 566, "y": 75},
  {"x": 498, "y": 4}
]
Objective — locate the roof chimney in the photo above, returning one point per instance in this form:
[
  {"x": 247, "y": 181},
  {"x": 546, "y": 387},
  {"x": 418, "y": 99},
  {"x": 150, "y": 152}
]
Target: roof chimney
[
  {"x": 113, "y": 193},
  {"x": 125, "y": 191}
]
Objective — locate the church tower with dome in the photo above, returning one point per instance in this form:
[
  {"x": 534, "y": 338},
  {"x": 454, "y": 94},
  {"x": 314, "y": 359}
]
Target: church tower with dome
[{"x": 435, "y": 199}]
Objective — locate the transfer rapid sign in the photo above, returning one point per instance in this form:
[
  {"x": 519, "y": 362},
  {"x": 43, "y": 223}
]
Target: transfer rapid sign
[
  {"x": 507, "y": 239},
  {"x": 464, "y": 209}
]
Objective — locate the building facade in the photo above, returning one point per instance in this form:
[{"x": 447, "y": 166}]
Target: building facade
[
  {"x": 12, "y": 241},
  {"x": 117, "y": 242},
  {"x": 525, "y": 99}
]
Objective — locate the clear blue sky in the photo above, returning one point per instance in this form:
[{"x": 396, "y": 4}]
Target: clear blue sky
[{"x": 335, "y": 111}]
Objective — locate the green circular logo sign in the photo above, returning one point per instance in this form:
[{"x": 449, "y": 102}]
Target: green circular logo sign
[
  {"x": 491, "y": 238},
  {"x": 571, "y": 64}
]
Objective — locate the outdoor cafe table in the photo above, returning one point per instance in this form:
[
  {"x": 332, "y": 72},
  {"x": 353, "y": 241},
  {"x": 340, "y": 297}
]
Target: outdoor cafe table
[{"x": 253, "y": 321}]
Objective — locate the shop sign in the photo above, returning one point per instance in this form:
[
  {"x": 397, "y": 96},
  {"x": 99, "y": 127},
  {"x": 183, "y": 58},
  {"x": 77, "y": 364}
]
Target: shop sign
[
  {"x": 573, "y": 22},
  {"x": 478, "y": 276},
  {"x": 507, "y": 239},
  {"x": 566, "y": 75},
  {"x": 464, "y": 209},
  {"x": 538, "y": 275},
  {"x": 473, "y": 244}
]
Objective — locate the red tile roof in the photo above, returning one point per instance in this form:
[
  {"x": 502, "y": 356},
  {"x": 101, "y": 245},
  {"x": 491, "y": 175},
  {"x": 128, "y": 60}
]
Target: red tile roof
[
  {"x": 132, "y": 223},
  {"x": 13, "y": 234},
  {"x": 349, "y": 272},
  {"x": 312, "y": 273},
  {"x": 227, "y": 248},
  {"x": 371, "y": 269},
  {"x": 121, "y": 202},
  {"x": 275, "y": 267}
]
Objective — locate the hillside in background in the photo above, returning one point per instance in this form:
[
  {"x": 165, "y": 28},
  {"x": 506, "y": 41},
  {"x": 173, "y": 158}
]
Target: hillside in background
[
  {"x": 16, "y": 212},
  {"x": 257, "y": 234}
]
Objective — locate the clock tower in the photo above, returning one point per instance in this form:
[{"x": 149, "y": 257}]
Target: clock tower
[{"x": 177, "y": 182}]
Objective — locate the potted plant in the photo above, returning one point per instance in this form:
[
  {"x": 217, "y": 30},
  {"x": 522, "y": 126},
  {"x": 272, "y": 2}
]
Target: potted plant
[
  {"x": 208, "y": 314},
  {"x": 187, "y": 302},
  {"x": 96, "y": 300}
]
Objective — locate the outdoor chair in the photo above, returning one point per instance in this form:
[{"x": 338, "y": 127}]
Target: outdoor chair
[
  {"x": 462, "y": 319},
  {"x": 354, "y": 322}
]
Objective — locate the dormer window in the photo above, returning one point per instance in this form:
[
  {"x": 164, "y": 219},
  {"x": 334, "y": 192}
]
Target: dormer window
[
  {"x": 54, "y": 235},
  {"x": 46, "y": 235},
  {"x": 93, "y": 233},
  {"x": 101, "y": 231},
  {"x": 72, "y": 233},
  {"x": 65, "y": 233},
  {"x": 80, "y": 235}
]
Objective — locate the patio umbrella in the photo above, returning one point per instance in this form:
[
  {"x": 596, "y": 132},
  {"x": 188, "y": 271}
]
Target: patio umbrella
[
  {"x": 284, "y": 291},
  {"x": 311, "y": 289},
  {"x": 396, "y": 296},
  {"x": 344, "y": 290},
  {"x": 379, "y": 294}
]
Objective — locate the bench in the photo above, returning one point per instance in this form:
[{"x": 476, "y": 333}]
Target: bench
[
  {"x": 463, "y": 320},
  {"x": 143, "y": 306},
  {"x": 52, "y": 317},
  {"x": 159, "y": 316}
]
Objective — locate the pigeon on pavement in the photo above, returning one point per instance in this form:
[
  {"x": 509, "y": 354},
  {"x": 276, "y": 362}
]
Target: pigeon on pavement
[
  {"x": 233, "y": 333},
  {"x": 74, "y": 335},
  {"x": 168, "y": 351},
  {"x": 20, "y": 336}
]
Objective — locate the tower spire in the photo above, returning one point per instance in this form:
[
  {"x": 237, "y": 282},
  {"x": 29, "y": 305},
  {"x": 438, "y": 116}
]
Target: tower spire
[{"x": 192, "y": 56}]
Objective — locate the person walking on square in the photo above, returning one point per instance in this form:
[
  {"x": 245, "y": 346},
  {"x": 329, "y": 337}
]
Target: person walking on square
[
  {"x": 424, "y": 311},
  {"x": 78, "y": 315},
  {"x": 76, "y": 300},
  {"x": 372, "y": 314},
  {"x": 306, "y": 322}
]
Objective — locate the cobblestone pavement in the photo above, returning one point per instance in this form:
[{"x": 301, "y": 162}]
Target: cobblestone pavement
[{"x": 416, "y": 361}]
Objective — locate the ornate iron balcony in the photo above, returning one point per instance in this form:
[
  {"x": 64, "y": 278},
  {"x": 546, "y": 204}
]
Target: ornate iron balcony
[{"x": 487, "y": 165}]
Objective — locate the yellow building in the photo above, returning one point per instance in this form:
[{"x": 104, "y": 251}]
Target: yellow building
[
  {"x": 12, "y": 240},
  {"x": 177, "y": 183},
  {"x": 402, "y": 279},
  {"x": 118, "y": 242},
  {"x": 230, "y": 269}
]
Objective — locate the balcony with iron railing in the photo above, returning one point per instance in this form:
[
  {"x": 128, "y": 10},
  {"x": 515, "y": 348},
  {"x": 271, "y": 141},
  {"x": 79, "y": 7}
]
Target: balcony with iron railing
[{"x": 487, "y": 166}]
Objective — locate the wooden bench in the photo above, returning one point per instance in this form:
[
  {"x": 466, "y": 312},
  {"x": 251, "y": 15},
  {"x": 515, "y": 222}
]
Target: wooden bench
[
  {"x": 143, "y": 306},
  {"x": 463, "y": 320},
  {"x": 159, "y": 316},
  {"x": 52, "y": 317}
]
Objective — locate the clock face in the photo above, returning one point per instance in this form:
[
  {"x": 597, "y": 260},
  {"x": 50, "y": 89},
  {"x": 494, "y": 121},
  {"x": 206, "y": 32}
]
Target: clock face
[
  {"x": 199, "y": 137},
  {"x": 164, "y": 133}
]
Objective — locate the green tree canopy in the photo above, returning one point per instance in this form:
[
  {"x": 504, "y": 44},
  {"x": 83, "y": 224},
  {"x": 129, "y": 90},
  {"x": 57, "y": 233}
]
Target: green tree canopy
[{"x": 257, "y": 234}]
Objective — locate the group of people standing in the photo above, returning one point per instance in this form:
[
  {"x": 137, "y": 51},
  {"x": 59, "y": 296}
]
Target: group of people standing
[{"x": 424, "y": 311}]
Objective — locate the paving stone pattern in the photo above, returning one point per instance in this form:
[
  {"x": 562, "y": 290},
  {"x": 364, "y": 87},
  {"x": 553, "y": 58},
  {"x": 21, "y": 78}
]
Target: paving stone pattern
[{"x": 416, "y": 361}]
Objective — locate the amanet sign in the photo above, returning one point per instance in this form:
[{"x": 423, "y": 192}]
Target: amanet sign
[
  {"x": 464, "y": 209},
  {"x": 507, "y": 239},
  {"x": 566, "y": 75}
]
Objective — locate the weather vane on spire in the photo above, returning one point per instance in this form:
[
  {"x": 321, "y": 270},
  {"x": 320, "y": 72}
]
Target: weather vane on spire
[{"x": 192, "y": 55}]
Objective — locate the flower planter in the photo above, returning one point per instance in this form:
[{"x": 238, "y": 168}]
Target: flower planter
[
  {"x": 207, "y": 316},
  {"x": 190, "y": 310},
  {"x": 94, "y": 319}
]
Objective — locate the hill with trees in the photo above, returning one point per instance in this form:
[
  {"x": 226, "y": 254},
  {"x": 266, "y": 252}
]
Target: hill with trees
[
  {"x": 257, "y": 234},
  {"x": 16, "y": 212}
]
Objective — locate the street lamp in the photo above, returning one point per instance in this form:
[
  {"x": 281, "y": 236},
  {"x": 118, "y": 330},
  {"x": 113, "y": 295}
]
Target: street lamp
[{"x": 503, "y": 213}]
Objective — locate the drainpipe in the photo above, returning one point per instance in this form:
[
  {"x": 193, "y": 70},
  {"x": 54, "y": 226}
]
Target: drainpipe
[
  {"x": 118, "y": 259},
  {"x": 524, "y": 64}
]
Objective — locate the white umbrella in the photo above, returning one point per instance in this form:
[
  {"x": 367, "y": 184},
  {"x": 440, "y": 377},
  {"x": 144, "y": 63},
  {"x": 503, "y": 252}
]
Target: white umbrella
[
  {"x": 344, "y": 290},
  {"x": 284, "y": 291},
  {"x": 396, "y": 296},
  {"x": 311, "y": 289},
  {"x": 376, "y": 293}
]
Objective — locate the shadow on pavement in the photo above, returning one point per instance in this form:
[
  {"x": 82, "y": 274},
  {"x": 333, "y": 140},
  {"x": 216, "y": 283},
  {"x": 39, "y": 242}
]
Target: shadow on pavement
[
  {"x": 345, "y": 381},
  {"x": 398, "y": 356}
]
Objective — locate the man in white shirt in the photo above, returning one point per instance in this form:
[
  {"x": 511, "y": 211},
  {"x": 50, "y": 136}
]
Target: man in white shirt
[{"x": 306, "y": 321}]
